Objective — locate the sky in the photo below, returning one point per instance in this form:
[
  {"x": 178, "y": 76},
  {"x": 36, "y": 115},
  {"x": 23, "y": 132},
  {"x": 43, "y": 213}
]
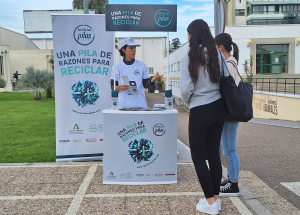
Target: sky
[{"x": 11, "y": 15}]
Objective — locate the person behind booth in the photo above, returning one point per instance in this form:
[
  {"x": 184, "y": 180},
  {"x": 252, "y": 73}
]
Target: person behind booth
[{"x": 137, "y": 73}]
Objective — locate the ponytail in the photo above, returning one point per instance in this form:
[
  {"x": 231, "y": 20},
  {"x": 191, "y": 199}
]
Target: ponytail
[
  {"x": 235, "y": 52},
  {"x": 226, "y": 40}
]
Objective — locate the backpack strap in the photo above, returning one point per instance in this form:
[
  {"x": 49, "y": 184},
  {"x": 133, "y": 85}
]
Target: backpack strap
[{"x": 235, "y": 66}]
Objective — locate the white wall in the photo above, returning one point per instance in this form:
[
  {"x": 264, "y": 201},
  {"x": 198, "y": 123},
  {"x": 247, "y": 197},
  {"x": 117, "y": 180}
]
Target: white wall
[
  {"x": 175, "y": 57},
  {"x": 15, "y": 40},
  {"x": 4, "y": 52},
  {"x": 297, "y": 57},
  {"x": 43, "y": 43},
  {"x": 20, "y": 59},
  {"x": 152, "y": 52}
]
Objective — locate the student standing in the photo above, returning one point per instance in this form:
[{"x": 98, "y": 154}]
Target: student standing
[
  {"x": 229, "y": 186},
  {"x": 199, "y": 87}
]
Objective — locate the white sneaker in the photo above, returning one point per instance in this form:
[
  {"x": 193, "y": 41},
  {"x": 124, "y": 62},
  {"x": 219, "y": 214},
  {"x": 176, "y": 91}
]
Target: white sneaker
[
  {"x": 204, "y": 207},
  {"x": 219, "y": 203}
]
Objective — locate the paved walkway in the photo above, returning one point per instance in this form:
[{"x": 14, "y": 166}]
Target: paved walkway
[{"x": 76, "y": 188}]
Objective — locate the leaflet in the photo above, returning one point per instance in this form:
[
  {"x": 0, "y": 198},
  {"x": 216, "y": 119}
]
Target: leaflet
[{"x": 132, "y": 90}]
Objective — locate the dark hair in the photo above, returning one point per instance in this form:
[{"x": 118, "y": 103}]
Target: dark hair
[
  {"x": 226, "y": 40},
  {"x": 121, "y": 52},
  {"x": 200, "y": 40}
]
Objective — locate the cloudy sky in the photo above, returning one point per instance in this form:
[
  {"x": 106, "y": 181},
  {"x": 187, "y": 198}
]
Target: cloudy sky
[{"x": 11, "y": 15}]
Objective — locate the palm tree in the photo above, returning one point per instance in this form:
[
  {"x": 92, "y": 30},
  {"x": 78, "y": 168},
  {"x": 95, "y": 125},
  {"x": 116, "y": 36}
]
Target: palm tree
[
  {"x": 49, "y": 84},
  {"x": 36, "y": 80}
]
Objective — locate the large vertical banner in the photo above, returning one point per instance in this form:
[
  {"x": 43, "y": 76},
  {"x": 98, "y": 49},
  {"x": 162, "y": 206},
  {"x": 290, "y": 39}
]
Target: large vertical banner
[{"x": 83, "y": 58}]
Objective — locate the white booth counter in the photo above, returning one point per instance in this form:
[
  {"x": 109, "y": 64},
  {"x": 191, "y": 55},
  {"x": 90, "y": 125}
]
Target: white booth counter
[{"x": 140, "y": 147}]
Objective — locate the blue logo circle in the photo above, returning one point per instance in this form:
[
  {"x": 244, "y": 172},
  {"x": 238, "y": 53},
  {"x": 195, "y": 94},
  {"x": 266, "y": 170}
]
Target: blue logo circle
[
  {"x": 137, "y": 72},
  {"x": 163, "y": 18},
  {"x": 84, "y": 35}
]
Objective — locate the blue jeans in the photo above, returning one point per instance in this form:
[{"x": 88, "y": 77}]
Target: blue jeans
[{"x": 229, "y": 146}]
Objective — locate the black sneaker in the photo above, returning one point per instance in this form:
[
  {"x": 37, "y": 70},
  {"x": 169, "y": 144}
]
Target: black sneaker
[
  {"x": 224, "y": 181},
  {"x": 229, "y": 190}
]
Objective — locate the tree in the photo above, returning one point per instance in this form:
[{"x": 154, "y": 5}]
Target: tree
[
  {"x": 93, "y": 4},
  {"x": 49, "y": 83},
  {"x": 36, "y": 80},
  {"x": 176, "y": 43},
  {"x": 51, "y": 61}
]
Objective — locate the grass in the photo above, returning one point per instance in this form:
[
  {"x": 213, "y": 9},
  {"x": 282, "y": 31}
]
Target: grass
[{"x": 27, "y": 128}]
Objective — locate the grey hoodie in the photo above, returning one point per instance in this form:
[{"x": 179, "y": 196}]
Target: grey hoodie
[{"x": 203, "y": 91}]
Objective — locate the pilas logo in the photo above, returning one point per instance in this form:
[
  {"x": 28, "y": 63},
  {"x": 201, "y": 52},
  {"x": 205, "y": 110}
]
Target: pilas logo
[
  {"x": 159, "y": 129},
  {"x": 163, "y": 18},
  {"x": 84, "y": 35},
  {"x": 137, "y": 72}
]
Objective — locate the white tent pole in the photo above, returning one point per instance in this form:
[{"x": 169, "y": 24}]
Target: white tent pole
[{"x": 168, "y": 60}]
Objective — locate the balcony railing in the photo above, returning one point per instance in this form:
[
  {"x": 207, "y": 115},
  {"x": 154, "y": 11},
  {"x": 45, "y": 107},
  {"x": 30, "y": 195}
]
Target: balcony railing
[
  {"x": 286, "y": 13},
  {"x": 277, "y": 85}
]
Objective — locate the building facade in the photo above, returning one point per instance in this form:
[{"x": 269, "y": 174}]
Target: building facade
[
  {"x": 18, "y": 52},
  {"x": 275, "y": 50}
]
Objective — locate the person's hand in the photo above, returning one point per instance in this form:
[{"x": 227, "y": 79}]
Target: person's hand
[
  {"x": 122, "y": 87},
  {"x": 156, "y": 76}
]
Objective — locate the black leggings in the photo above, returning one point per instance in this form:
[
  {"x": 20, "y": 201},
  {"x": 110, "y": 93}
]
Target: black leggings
[{"x": 205, "y": 129}]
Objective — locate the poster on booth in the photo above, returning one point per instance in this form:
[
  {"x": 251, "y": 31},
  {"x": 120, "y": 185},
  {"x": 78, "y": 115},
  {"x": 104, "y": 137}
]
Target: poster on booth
[
  {"x": 140, "y": 148},
  {"x": 83, "y": 58}
]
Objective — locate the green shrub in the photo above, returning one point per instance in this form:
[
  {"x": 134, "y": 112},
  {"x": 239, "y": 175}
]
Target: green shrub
[{"x": 2, "y": 82}]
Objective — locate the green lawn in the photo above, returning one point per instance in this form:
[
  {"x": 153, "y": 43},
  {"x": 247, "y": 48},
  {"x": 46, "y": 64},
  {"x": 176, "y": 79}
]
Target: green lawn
[{"x": 27, "y": 128}]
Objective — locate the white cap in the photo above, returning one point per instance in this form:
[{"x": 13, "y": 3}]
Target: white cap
[{"x": 129, "y": 42}]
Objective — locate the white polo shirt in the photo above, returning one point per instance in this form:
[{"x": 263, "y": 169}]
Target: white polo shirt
[{"x": 135, "y": 72}]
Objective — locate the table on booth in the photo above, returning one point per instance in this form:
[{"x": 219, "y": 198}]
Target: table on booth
[{"x": 140, "y": 147}]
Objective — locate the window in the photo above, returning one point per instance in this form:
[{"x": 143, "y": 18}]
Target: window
[
  {"x": 272, "y": 59},
  {"x": 264, "y": 22},
  {"x": 178, "y": 66},
  {"x": 239, "y": 12},
  {"x": 150, "y": 70},
  {"x": 259, "y": 9},
  {"x": 1, "y": 65}
]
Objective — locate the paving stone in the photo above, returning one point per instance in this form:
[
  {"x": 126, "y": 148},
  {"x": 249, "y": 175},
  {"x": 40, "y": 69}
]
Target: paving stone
[
  {"x": 59, "y": 189},
  {"x": 40, "y": 170},
  {"x": 107, "y": 206},
  {"x": 228, "y": 208},
  {"x": 99, "y": 170},
  {"x": 146, "y": 189},
  {"x": 184, "y": 186},
  {"x": 8, "y": 207},
  {"x": 43, "y": 206},
  {"x": 99, "y": 188},
  {"x": 279, "y": 206},
  {"x": 29, "y": 178},
  {"x": 182, "y": 205},
  {"x": 73, "y": 169},
  {"x": 71, "y": 178},
  {"x": 20, "y": 189},
  {"x": 147, "y": 205},
  {"x": 186, "y": 173}
]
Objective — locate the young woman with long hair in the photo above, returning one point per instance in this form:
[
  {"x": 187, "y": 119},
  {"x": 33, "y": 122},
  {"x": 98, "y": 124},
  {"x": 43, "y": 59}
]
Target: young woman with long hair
[
  {"x": 229, "y": 186},
  {"x": 199, "y": 87}
]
